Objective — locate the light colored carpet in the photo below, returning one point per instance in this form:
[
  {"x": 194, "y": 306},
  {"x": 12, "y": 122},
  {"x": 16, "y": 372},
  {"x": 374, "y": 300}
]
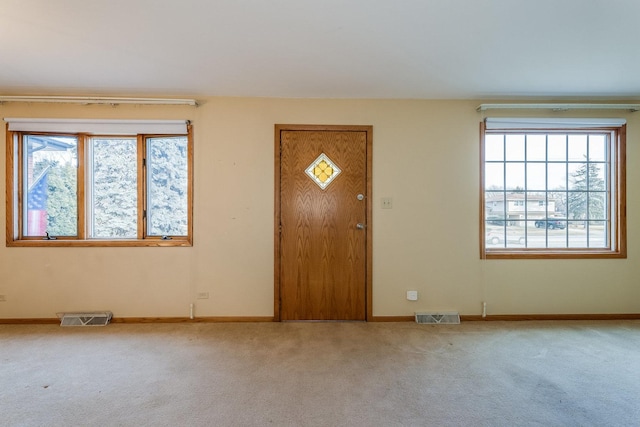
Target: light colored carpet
[{"x": 322, "y": 374}]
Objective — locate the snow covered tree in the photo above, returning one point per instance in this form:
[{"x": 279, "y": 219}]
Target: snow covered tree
[{"x": 586, "y": 199}]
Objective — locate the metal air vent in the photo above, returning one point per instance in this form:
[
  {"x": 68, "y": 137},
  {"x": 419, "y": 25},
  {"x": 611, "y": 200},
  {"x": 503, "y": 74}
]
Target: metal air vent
[
  {"x": 446, "y": 318},
  {"x": 96, "y": 318}
]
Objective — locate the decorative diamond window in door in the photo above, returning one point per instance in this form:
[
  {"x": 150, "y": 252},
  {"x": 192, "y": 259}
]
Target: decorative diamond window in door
[{"x": 323, "y": 171}]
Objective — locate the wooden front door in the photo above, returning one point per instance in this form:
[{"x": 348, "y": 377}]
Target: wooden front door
[{"x": 323, "y": 227}]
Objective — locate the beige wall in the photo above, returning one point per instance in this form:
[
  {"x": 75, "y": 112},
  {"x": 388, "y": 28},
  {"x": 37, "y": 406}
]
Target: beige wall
[{"x": 425, "y": 158}]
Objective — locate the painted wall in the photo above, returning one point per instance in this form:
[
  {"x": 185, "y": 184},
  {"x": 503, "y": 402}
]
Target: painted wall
[{"x": 426, "y": 157}]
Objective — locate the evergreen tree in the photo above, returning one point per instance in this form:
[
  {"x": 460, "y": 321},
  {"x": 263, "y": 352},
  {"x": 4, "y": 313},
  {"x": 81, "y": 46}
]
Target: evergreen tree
[
  {"x": 114, "y": 176},
  {"x": 587, "y": 196},
  {"x": 62, "y": 206},
  {"x": 168, "y": 179},
  {"x": 115, "y": 192},
  {"x": 62, "y": 211}
]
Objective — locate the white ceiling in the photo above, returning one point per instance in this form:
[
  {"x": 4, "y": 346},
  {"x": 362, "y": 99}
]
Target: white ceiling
[{"x": 431, "y": 49}]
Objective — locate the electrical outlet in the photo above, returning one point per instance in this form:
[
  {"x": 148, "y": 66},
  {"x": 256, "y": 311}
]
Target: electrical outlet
[
  {"x": 387, "y": 203},
  {"x": 203, "y": 295},
  {"x": 3, "y": 298},
  {"x": 412, "y": 295}
]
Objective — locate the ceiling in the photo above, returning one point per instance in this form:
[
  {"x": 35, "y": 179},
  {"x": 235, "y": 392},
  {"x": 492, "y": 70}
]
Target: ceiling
[{"x": 422, "y": 49}]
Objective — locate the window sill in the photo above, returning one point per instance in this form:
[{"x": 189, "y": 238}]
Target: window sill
[
  {"x": 550, "y": 254},
  {"x": 100, "y": 243}
]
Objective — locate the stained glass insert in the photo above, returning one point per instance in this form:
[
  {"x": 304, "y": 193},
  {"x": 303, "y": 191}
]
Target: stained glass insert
[{"x": 323, "y": 171}]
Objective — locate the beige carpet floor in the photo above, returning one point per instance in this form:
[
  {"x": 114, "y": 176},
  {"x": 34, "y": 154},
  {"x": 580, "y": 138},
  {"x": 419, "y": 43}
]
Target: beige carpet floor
[{"x": 566, "y": 373}]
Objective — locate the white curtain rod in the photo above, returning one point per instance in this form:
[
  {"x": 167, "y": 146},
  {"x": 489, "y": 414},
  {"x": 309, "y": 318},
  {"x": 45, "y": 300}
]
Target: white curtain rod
[
  {"x": 559, "y": 107},
  {"x": 99, "y": 100}
]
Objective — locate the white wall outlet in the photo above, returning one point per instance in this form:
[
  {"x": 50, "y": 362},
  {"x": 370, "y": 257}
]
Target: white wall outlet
[
  {"x": 203, "y": 295},
  {"x": 387, "y": 203},
  {"x": 3, "y": 298},
  {"x": 412, "y": 295}
]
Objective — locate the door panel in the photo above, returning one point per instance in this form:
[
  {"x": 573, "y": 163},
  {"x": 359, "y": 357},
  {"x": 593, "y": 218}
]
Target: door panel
[{"x": 323, "y": 253}]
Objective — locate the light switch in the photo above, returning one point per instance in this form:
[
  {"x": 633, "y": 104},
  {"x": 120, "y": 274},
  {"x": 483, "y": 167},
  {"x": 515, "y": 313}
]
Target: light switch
[
  {"x": 387, "y": 203},
  {"x": 412, "y": 295}
]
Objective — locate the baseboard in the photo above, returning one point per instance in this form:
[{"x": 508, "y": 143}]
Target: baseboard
[
  {"x": 244, "y": 319},
  {"x": 521, "y": 317},
  {"x": 217, "y": 319},
  {"x": 30, "y": 321},
  {"x": 392, "y": 319},
  {"x": 213, "y": 319}
]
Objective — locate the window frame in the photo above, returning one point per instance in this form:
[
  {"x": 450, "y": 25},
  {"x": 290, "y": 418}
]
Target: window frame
[
  {"x": 16, "y": 198},
  {"x": 618, "y": 229}
]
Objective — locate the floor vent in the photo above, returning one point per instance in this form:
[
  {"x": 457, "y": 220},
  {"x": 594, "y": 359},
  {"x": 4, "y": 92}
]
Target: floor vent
[
  {"x": 447, "y": 318},
  {"x": 96, "y": 318}
]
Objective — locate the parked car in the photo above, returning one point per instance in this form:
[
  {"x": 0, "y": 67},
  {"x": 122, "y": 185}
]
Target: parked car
[
  {"x": 552, "y": 223},
  {"x": 496, "y": 220},
  {"x": 496, "y": 238}
]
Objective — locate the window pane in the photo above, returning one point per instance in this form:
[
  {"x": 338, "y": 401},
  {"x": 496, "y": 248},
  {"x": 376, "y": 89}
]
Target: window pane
[
  {"x": 557, "y": 176},
  {"x": 597, "y": 148},
  {"x": 536, "y": 179},
  {"x": 536, "y": 147},
  {"x": 558, "y": 203},
  {"x": 515, "y": 235},
  {"x": 557, "y": 237},
  {"x": 51, "y": 186},
  {"x": 114, "y": 189},
  {"x": 494, "y": 207},
  {"x": 494, "y": 236},
  {"x": 167, "y": 186},
  {"x": 577, "y": 233},
  {"x": 494, "y": 147},
  {"x": 577, "y": 176},
  {"x": 514, "y": 147},
  {"x": 504, "y": 235},
  {"x": 557, "y": 148},
  {"x": 536, "y": 205},
  {"x": 597, "y": 205},
  {"x": 493, "y": 223},
  {"x": 515, "y": 176},
  {"x": 597, "y": 234},
  {"x": 578, "y": 205},
  {"x": 597, "y": 176},
  {"x": 494, "y": 176},
  {"x": 577, "y": 148},
  {"x": 536, "y": 234}
]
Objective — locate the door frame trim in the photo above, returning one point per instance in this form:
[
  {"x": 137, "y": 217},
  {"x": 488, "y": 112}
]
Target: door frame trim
[{"x": 369, "y": 199}]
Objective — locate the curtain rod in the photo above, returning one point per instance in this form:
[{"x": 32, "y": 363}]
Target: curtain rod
[
  {"x": 99, "y": 100},
  {"x": 559, "y": 107}
]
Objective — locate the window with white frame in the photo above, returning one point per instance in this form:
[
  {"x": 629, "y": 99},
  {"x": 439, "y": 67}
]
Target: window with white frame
[
  {"x": 553, "y": 189},
  {"x": 99, "y": 183}
]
